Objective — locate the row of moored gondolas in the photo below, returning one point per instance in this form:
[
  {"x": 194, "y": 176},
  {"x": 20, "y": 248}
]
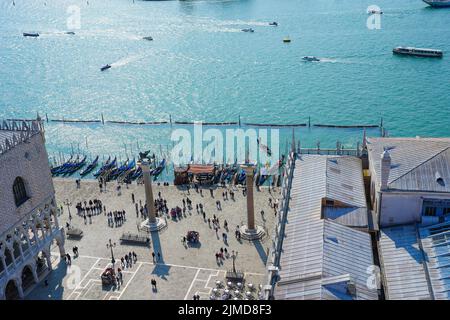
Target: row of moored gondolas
[{"x": 110, "y": 169}]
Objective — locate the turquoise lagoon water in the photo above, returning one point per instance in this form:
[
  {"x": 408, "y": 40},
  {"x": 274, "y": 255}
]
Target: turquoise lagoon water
[{"x": 200, "y": 66}]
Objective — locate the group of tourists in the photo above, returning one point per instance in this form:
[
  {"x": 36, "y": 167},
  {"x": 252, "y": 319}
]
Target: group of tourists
[
  {"x": 161, "y": 205},
  {"x": 128, "y": 260},
  {"x": 116, "y": 218},
  {"x": 225, "y": 195},
  {"x": 92, "y": 207},
  {"x": 222, "y": 254}
]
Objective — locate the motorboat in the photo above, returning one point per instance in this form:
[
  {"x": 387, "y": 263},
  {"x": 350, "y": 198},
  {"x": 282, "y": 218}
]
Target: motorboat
[
  {"x": 373, "y": 11},
  {"x": 248, "y": 30},
  {"x": 419, "y": 52},
  {"x": 70, "y": 32},
  {"x": 310, "y": 58},
  {"x": 286, "y": 40},
  {"x": 26, "y": 34},
  {"x": 438, "y": 3},
  {"x": 273, "y": 23},
  {"x": 148, "y": 38},
  {"x": 105, "y": 67}
]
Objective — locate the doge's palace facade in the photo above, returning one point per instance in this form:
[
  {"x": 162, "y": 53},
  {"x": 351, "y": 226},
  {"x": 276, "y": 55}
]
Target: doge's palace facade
[{"x": 28, "y": 212}]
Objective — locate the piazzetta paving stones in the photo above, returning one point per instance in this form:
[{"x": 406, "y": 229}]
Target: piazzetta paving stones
[{"x": 181, "y": 270}]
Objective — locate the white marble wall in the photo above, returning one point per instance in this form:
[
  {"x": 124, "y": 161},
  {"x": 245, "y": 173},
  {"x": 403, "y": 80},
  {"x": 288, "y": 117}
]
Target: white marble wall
[{"x": 28, "y": 160}]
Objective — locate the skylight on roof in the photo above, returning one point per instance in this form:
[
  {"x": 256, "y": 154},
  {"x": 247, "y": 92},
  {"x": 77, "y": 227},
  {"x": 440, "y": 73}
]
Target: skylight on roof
[
  {"x": 347, "y": 186},
  {"x": 335, "y": 170},
  {"x": 332, "y": 239}
]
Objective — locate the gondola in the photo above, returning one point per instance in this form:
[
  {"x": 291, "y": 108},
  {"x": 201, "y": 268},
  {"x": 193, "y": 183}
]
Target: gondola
[
  {"x": 157, "y": 171},
  {"x": 62, "y": 169},
  {"x": 90, "y": 167},
  {"x": 55, "y": 170},
  {"x": 75, "y": 167},
  {"x": 136, "y": 174},
  {"x": 240, "y": 178},
  {"x": 127, "y": 166},
  {"x": 118, "y": 170},
  {"x": 108, "y": 165}
]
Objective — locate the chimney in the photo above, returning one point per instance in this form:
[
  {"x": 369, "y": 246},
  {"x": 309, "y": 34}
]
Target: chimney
[{"x": 385, "y": 168}]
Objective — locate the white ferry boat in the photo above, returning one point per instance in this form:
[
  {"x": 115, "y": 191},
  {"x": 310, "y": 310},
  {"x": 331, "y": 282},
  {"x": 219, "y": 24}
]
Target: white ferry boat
[
  {"x": 420, "y": 52},
  {"x": 438, "y": 3}
]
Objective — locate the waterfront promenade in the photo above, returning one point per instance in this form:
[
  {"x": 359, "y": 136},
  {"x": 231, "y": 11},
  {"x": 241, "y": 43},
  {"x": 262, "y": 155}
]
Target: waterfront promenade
[{"x": 181, "y": 270}]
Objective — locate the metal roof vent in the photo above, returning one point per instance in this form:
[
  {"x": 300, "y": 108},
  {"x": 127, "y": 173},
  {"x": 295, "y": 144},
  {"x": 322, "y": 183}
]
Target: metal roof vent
[{"x": 439, "y": 179}]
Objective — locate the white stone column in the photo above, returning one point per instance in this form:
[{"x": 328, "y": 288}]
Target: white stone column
[
  {"x": 250, "y": 231},
  {"x": 19, "y": 288},
  {"x": 153, "y": 223},
  {"x": 48, "y": 258},
  {"x": 55, "y": 216},
  {"x": 19, "y": 243},
  {"x": 60, "y": 241},
  {"x": 11, "y": 254},
  {"x": 149, "y": 200},
  {"x": 4, "y": 264},
  {"x": 34, "y": 271}
]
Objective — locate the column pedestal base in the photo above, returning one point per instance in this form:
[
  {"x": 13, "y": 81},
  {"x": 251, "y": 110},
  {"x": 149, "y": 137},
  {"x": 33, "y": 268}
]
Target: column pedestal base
[
  {"x": 252, "y": 234},
  {"x": 154, "y": 226}
]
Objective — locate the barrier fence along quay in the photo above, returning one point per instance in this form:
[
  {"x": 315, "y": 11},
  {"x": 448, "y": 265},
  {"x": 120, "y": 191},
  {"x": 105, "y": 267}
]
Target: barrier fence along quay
[{"x": 217, "y": 123}]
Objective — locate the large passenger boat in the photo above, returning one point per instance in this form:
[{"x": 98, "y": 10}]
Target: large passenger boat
[
  {"x": 438, "y": 3},
  {"x": 420, "y": 52}
]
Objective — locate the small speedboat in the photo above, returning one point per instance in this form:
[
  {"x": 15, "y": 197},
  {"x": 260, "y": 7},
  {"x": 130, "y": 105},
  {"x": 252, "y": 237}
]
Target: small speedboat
[
  {"x": 248, "y": 30},
  {"x": 25, "y": 34},
  {"x": 273, "y": 23},
  {"x": 105, "y": 67},
  {"x": 148, "y": 38},
  {"x": 310, "y": 58},
  {"x": 70, "y": 32},
  {"x": 286, "y": 40}
]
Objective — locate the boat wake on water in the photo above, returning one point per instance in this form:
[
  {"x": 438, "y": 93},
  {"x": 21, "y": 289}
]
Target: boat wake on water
[
  {"x": 325, "y": 60},
  {"x": 124, "y": 61},
  {"x": 243, "y": 23}
]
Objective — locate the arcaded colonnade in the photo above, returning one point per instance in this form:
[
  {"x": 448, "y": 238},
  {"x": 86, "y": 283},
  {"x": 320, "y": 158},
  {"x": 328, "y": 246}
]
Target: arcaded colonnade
[{"x": 25, "y": 257}]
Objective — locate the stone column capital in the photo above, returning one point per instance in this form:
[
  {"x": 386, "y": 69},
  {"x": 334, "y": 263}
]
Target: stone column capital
[
  {"x": 248, "y": 168},
  {"x": 144, "y": 165}
]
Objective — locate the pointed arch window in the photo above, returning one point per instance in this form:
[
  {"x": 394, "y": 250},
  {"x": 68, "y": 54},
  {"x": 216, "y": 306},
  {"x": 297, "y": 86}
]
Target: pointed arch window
[{"x": 20, "y": 193}]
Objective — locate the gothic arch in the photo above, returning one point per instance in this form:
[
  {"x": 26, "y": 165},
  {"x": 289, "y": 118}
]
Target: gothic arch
[
  {"x": 28, "y": 277},
  {"x": 12, "y": 290}
]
